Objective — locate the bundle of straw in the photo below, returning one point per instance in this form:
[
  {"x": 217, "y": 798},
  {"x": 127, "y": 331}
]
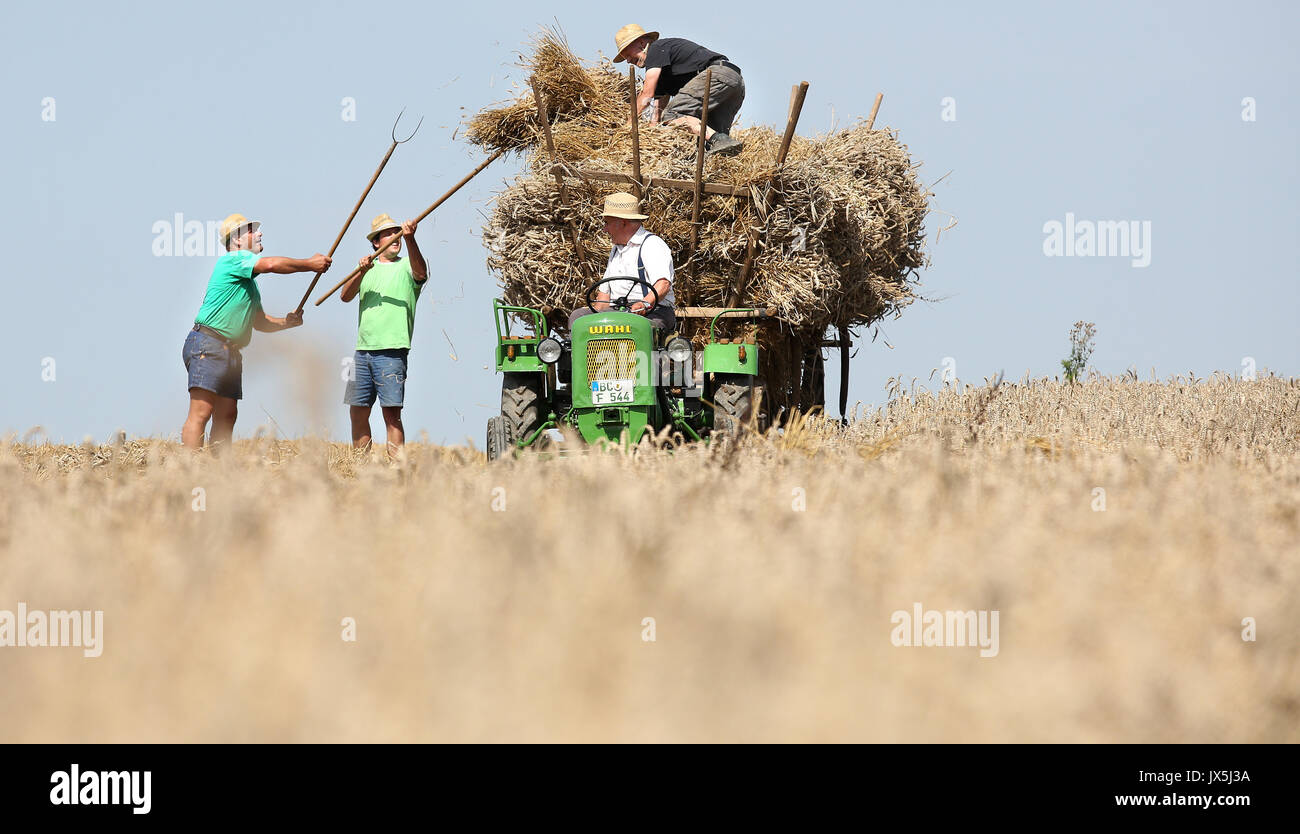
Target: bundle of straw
[{"x": 841, "y": 246}]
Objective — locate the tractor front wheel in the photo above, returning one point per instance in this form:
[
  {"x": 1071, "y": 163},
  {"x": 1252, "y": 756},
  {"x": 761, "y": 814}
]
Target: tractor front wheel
[{"x": 521, "y": 402}]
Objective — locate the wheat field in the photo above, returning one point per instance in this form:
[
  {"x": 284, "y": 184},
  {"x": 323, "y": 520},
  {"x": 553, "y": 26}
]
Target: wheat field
[{"x": 1123, "y": 530}]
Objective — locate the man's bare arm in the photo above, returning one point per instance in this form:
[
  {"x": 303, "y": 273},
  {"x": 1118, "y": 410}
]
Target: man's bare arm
[
  {"x": 419, "y": 269},
  {"x": 662, "y": 286},
  {"x": 288, "y": 266},
  {"x": 270, "y": 324},
  {"x": 647, "y": 90},
  {"x": 351, "y": 288}
]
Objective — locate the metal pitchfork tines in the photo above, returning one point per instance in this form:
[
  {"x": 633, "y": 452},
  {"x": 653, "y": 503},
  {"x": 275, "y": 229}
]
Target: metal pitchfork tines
[
  {"x": 364, "y": 194},
  {"x": 393, "y": 133}
]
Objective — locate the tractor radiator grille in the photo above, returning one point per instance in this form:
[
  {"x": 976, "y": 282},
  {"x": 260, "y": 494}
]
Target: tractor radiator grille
[{"x": 611, "y": 359}]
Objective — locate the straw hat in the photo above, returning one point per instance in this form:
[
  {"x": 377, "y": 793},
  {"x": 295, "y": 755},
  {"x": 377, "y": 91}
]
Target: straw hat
[
  {"x": 381, "y": 224},
  {"x": 623, "y": 205},
  {"x": 628, "y": 34},
  {"x": 234, "y": 223}
]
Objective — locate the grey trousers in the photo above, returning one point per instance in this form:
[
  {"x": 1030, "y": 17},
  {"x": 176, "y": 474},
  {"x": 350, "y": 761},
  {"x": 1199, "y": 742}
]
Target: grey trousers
[
  {"x": 661, "y": 317},
  {"x": 726, "y": 94}
]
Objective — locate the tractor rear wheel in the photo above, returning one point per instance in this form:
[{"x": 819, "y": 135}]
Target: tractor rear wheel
[
  {"x": 521, "y": 402},
  {"x": 734, "y": 397},
  {"x": 499, "y": 441}
]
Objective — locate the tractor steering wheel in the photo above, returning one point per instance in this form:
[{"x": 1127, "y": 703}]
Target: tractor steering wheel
[{"x": 623, "y": 303}]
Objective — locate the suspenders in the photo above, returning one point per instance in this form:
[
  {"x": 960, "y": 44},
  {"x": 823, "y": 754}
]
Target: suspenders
[{"x": 640, "y": 264}]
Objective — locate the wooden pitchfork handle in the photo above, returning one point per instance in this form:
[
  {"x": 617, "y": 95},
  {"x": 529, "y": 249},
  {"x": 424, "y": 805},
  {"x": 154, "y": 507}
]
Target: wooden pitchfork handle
[
  {"x": 485, "y": 163},
  {"x": 373, "y": 179}
]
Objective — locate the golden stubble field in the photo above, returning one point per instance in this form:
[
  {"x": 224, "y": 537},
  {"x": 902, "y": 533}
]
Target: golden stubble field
[{"x": 509, "y": 602}]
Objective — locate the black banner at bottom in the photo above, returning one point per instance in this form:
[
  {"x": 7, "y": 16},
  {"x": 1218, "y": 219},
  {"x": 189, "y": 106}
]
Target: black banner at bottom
[{"x": 107, "y": 784}]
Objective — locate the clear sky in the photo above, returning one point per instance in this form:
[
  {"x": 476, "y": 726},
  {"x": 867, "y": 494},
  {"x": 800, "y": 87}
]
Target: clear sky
[{"x": 118, "y": 117}]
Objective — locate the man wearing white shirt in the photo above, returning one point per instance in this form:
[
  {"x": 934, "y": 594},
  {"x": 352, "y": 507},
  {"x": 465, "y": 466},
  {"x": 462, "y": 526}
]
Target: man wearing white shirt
[{"x": 636, "y": 254}]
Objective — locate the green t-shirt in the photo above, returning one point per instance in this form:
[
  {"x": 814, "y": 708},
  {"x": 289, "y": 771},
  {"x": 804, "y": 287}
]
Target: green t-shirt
[
  {"x": 232, "y": 297},
  {"x": 386, "y": 313}
]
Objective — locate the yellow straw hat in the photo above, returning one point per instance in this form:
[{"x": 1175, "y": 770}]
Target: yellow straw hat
[
  {"x": 381, "y": 224},
  {"x": 234, "y": 223},
  {"x": 628, "y": 34},
  {"x": 623, "y": 205}
]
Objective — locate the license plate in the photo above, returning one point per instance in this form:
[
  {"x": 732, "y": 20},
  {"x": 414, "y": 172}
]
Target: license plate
[{"x": 611, "y": 392}]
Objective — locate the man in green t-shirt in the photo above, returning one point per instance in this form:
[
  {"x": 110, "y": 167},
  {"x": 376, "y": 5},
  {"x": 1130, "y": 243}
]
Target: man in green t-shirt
[
  {"x": 388, "y": 289},
  {"x": 231, "y": 311}
]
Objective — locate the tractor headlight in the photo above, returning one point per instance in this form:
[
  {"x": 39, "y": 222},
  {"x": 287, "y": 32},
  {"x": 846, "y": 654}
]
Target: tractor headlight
[
  {"x": 549, "y": 350},
  {"x": 679, "y": 350}
]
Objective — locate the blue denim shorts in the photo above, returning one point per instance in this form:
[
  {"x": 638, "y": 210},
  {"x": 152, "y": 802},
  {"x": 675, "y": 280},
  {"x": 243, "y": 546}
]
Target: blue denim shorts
[
  {"x": 377, "y": 373},
  {"x": 213, "y": 365}
]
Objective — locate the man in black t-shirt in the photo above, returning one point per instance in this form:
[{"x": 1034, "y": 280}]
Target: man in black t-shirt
[{"x": 675, "y": 69}]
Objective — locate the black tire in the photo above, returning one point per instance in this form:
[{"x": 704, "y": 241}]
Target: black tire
[
  {"x": 521, "y": 403},
  {"x": 499, "y": 441},
  {"x": 733, "y": 402}
]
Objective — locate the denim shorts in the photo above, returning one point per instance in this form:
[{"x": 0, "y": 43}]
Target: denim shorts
[
  {"x": 377, "y": 373},
  {"x": 213, "y": 365}
]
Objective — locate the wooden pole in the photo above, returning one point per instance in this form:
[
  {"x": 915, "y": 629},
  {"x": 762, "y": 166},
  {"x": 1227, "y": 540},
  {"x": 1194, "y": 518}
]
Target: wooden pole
[
  {"x": 844, "y": 374},
  {"x": 373, "y": 179},
  {"x": 636, "y": 132},
  {"x": 544, "y": 117},
  {"x": 819, "y": 381},
  {"x": 699, "y": 168},
  {"x": 791, "y": 121},
  {"x": 725, "y": 190},
  {"x": 457, "y": 187},
  {"x": 844, "y": 331},
  {"x": 710, "y": 312},
  {"x": 751, "y": 245},
  {"x": 875, "y": 108}
]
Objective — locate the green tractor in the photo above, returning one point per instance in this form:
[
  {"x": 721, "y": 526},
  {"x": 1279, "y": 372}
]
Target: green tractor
[{"x": 617, "y": 377}]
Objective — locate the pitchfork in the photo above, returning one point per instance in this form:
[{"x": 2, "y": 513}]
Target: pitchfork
[{"x": 364, "y": 194}]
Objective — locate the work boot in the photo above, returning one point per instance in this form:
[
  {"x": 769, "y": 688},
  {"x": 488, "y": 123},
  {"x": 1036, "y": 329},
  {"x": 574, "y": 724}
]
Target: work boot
[{"x": 723, "y": 144}]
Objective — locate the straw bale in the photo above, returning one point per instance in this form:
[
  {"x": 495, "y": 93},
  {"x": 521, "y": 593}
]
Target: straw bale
[{"x": 842, "y": 245}]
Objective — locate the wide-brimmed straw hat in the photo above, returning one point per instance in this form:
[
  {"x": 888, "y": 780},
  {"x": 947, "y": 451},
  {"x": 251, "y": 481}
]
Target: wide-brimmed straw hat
[
  {"x": 623, "y": 205},
  {"x": 381, "y": 224},
  {"x": 628, "y": 34},
  {"x": 234, "y": 223}
]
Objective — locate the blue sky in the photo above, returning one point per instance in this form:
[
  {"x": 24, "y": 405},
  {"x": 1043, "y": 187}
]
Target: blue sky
[{"x": 1105, "y": 111}]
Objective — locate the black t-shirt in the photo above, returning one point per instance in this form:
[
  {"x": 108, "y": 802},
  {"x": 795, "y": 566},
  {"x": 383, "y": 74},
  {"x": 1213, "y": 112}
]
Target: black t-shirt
[{"x": 678, "y": 60}]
